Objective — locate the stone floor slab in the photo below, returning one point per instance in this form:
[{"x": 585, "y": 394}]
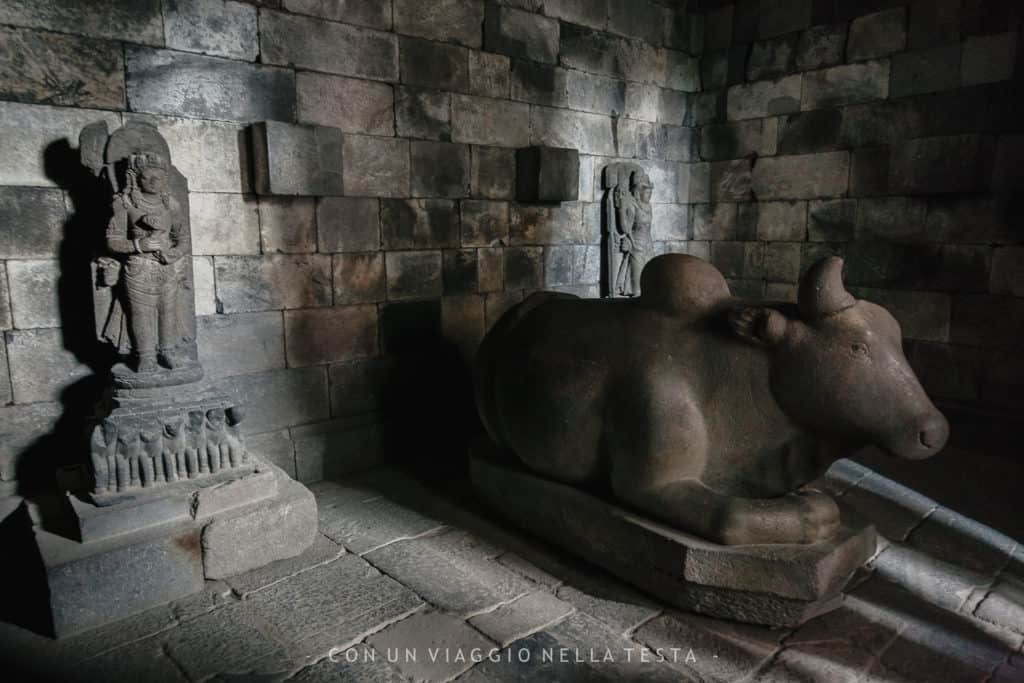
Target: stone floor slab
[
  {"x": 363, "y": 525},
  {"x": 894, "y": 509},
  {"x": 322, "y": 551},
  {"x": 521, "y": 617},
  {"x": 613, "y": 604},
  {"x": 949, "y": 536},
  {"x": 431, "y": 646}
]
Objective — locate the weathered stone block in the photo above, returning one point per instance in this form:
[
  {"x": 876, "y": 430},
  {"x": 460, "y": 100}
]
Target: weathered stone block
[
  {"x": 521, "y": 617},
  {"x": 602, "y": 53},
  {"x": 821, "y": 47},
  {"x": 330, "y": 335},
  {"x": 459, "y": 272},
  {"x": 640, "y": 19},
  {"x": 642, "y": 101},
  {"x": 877, "y": 35},
  {"x": 168, "y": 82},
  {"x": 486, "y": 121},
  {"x": 414, "y": 274},
  {"x": 423, "y": 114},
  {"x": 288, "y": 225},
  {"x": 783, "y": 16},
  {"x": 730, "y": 180},
  {"x": 547, "y": 224},
  {"x": 547, "y": 174},
  {"x": 524, "y": 268},
  {"x": 348, "y": 224},
  {"x": 934, "y": 22},
  {"x": 434, "y": 65},
  {"x": 450, "y": 21},
  {"x": 733, "y": 140},
  {"x": 22, "y": 426},
  {"x": 222, "y": 339},
  {"x": 261, "y": 283},
  {"x": 274, "y": 530},
  {"x": 484, "y": 223},
  {"x": 897, "y": 219},
  {"x": 490, "y": 270},
  {"x": 539, "y": 83},
  {"x": 520, "y": 34},
  {"x": 489, "y": 74},
  {"x": 782, "y": 221},
  {"x": 810, "y": 131},
  {"x": 847, "y": 84},
  {"x": 764, "y": 98},
  {"x": 932, "y": 70},
  {"x": 31, "y": 222},
  {"x": 359, "y": 12},
  {"x": 430, "y": 630},
  {"x": 279, "y": 398},
  {"x": 807, "y": 176},
  {"x": 682, "y": 72},
  {"x": 375, "y": 167},
  {"x": 41, "y": 368},
  {"x": 439, "y": 169},
  {"x": 419, "y": 223},
  {"x": 942, "y": 164},
  {"x": 555, "y": 128},
  {"x": 33, "y": 290},
  {"x": 714, "y": 221},
  {"x": 297, "y": 160},
  {"x": 224, "y": 224},
  {"x": 58, "y": 69},
  {"x": 772, "y": 58},
  {"x": 113, "y": 20},
  {"x": 881, "y": 123},
  {"x": 869, "y": 175},
  {"x": 360, "y": 386},
  {"x": 597, "y": 94},
  {"x": 493, "y": 172},
  {"x": 203, "y": 285},
  {"x": 781, "y": 262},
  {"x": 30, "y": 132},
  {"x": 671, "y": 222},
  {"x": 349, "y": 104},
  {"x": 359, "y": 278},
  {"x": 307, "y": 43},
  {"x": 695, "y": 183},
  {"x": 831, "y": 220},
  {"x": 213, "y": 27},
  {"x": 988, "y": 59},
  {"x": 581, "y": 12}
]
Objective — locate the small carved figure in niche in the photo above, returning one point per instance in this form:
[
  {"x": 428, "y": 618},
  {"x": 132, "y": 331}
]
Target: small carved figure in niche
[
  {"x": 628, "y": 217},
  {"x": 235, "y": 440},
  {"x": 128, "y": 450},
  {"x": 195, "y": 445},
  {"x": 152, "y": 453},
  {"x": 216, "y": 445},
  {"x": 174, "y": 450}
]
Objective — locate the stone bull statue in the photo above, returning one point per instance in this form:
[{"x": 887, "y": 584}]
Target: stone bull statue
[{"x": 704, "y": 411}]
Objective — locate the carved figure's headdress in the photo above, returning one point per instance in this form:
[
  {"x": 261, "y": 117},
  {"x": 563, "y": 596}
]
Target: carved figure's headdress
[
  {"x": 639, "y": 179},
  {"x": 141, "y": 160}
]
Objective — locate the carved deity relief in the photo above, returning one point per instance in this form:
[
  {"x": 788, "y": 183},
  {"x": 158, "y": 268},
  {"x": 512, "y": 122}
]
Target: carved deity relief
[{"x": 628, "y": 243}]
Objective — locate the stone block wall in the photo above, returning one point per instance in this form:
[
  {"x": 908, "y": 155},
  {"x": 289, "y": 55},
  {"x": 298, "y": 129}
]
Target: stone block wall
[
  {"x": 329, "y": 315},
  {"x": 886, "y": 131}
]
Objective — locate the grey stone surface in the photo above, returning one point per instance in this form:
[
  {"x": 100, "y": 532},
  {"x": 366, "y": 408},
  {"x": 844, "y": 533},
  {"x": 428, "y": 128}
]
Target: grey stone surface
[
  {"x": 59, "y": 69},
  {"x": 298, "y": 160},
  {"x": 361, "y": 386},
  {"x": 421, "y": 113},
  {"x": 363, "y": 518},
  {"x": 261, "y": 283},
  {"x": 941, "y": 164},
  {"x": 359, "y": 663},
  {"x": 671, "y": 222},
  {"x": 431, "y": 631},
  {"x": 484, "y": 223},
  {"x": 220, "y": 498},
  {"x": 490, "y": 268},
  {"x": 279, "y": 398},
  {"x": 831, "y": 220},
  {"x": 32, "y": 286},
  {"x": 434, "y": 65},
  {"x": 492, "y": 172},
  {"x": 782, "y": 16},
  {"x": 806, "y": 176},
  {"x": 454, "y": 21},
  {"x": 413, "y": 274},
  {"x": 213, "y": 27},
  {"x": 730, "y": 180},
  {"x": 275, "y": 448},
  {"x": 782, "y": 221},
  {"x": 764, "y": 98},
  {"x": 97, "y": 18},
  {"x": 170, "y": 82},
  {"x": 821, "y": 47},
  {"x": 359, "y": 12},
  {"x": 547, "y": 174},
  {"x": 772, "y": 58},
  {"x": 349, "y": 104},
  {"x": 487, "y": 121},
  {"x": 222, "y": 339},
  {"x": 439, "y": 169},
  {"x": 810, "y": 131},
  {"x": 489, "y": 74},
  {"x": 322, "y": 551},
  {"x": 549, "y": 224},
  {"x": 459, "y": 271},
  {"x": 224, "y": 224},
  {"x": 327, "y": 46},
  {"x": 453, "y": 571},
  {"x": 376, "y": 167},
  {"x": 31, "y": 222},
  {"x": 20, "y": 427},
  {"x": 419, "y": 223},
  {"x": 877, "y": 35},
  {"x": 925, "y": 71},
  {"x": 359, "y": 278},
  {"x": 288, "y": 225},
  {"x": 348, "y": 224},
  {"x": 848, "y": 84},
  {"x": 714, "y": 221},
  {"x": 988, "y": 59},
  {"x": 597, "y": 94},
  {"x": 538, "y": 83},
  {"x": 330, "y": 335},
  {"x": 272, "y": 530},
  {"x": 41, "y": 367},
  {"x": 513, "y": 32}
]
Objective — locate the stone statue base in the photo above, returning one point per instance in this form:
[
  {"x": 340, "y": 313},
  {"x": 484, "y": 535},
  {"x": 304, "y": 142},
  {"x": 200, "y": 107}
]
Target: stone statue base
[
  {"x": 138, "y": 554},
  {"x": 778, "y": 585}
]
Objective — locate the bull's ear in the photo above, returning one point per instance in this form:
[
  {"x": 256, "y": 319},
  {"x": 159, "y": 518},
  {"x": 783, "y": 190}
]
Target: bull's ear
[{"x": 758, "y": 324}]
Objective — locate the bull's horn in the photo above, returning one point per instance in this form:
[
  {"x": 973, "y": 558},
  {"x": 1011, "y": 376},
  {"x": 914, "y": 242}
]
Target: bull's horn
[{"x": 821, "y": 290}]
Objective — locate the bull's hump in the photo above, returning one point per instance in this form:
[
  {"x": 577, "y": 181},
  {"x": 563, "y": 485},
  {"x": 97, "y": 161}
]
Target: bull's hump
[{"x": 682, "y": 284}]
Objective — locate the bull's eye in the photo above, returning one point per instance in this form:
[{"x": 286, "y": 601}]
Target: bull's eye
[{"x": 859, "y": 349}]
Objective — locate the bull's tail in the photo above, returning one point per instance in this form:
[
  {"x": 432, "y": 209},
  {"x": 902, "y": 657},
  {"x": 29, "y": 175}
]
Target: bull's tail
[{"x": 488, "y": 354}]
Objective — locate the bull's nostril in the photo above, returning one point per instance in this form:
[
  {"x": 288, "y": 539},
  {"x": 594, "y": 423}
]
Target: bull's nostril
[{"x": 923, "y": 438}]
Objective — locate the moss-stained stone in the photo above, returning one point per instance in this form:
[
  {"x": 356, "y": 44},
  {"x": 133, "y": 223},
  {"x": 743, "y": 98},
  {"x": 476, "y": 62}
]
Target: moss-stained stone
[{"x": 359, "y": 278}]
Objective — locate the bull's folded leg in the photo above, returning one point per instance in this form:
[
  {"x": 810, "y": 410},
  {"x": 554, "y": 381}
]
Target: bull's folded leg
[{"x": 691, "y": 506}]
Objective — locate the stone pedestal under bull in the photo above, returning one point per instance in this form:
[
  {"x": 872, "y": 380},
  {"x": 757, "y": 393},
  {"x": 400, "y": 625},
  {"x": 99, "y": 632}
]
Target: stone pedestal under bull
[{"x": 704, "y": 412}]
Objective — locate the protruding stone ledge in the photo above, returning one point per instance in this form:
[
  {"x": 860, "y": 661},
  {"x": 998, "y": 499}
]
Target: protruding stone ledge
[{"x": 296, "y": 160}]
